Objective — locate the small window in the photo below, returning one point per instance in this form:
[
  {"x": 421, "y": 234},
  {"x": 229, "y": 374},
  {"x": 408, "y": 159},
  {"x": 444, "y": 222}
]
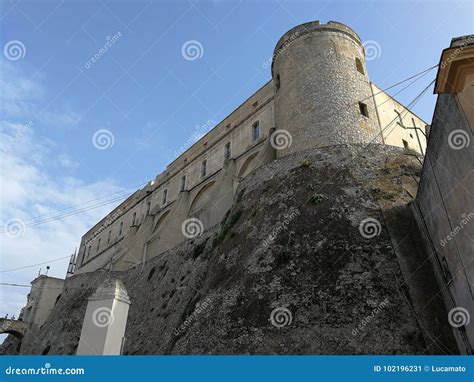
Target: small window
[
  {"x": 405, "y": 144},
  {"x": 277, "y": 81},
  {"x": 108, "y": 238},
  {"x": 364, "y": 109},
  {"x": 134, "y": 218},
  {"x": 148, "y": 207},
  {"x": 121, "y": 229},
  {"x": 359, "y": 66},
  {"x": 98, "y": 245},
  {"x": 165, "y": 197},
  {"x": 203, "y": 168},
  {"x": 182, "y": 186},
  {"x": 255, "y": 131},
  {"x": 227, "y": 152}
]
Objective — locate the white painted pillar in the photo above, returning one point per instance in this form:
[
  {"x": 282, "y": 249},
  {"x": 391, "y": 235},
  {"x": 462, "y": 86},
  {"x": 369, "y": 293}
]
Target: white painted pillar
[{"x": 104, "y": 324}]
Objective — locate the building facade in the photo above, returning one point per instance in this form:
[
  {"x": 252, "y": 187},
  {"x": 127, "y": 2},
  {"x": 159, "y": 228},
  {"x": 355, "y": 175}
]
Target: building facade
[
  {"x": 320, "y": 95},
  {"x": 444, "y": 205}
]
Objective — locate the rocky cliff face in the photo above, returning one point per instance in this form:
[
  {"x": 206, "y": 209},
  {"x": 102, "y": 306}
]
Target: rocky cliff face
[{"x": 318, "y": 255}]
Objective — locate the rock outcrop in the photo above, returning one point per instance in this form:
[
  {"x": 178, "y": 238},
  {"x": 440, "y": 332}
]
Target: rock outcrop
[{"x": 318, "y": 255}]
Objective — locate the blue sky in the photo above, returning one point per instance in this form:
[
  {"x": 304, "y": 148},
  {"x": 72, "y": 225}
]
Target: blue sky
[{"x": 150, "y": 98}]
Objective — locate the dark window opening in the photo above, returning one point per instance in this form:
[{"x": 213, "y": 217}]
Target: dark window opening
[
  {"x": 108, "y": 238},
  {"x": 227, "y": 152},
  {"x": 121, "y": 229},
  {"x": 277, "y": 81},
  {"x": 364, "y": 110},
  {"x": 152, "y": 272},
  {"x": 165, "y": 197},
  {"x": 183, "y": 183},
  {"x": 46, "y": 350},
  {"x": 255, "y": 131},
  {"x": 359, "y": 66},
  {"x": 405, "y": 144},
  {"x": 134, "y": 218},
  {"x": 148, "y": 207},
  {"x": 203, "y": 169},
  {"x": 98, "y": 245}
]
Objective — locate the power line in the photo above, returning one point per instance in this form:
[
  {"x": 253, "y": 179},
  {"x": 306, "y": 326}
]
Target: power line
[
  {"x": 35, "y": 265},
  {"x": 86, "y": 202}
]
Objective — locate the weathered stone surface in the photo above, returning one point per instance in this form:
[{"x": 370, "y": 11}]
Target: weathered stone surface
[{"x": 291, "y": 242}]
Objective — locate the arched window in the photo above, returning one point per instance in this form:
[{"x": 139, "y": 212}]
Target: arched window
[{"x": 359, "y": 66}]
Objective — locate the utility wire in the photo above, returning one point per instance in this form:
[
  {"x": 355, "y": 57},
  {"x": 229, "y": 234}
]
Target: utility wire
[
  {"x": 86, "y": 202},
  {"x": 35, "y": 265}
]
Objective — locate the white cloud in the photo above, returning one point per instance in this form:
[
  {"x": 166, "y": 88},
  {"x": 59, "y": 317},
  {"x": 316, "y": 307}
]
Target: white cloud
[{"x": 29, "y": 189}]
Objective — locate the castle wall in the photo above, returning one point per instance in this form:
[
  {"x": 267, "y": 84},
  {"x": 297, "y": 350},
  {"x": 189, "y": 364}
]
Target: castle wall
[
  {"x": 115, "y": 230},
  {"x": 320, "y": 78},
  {"x": 390, "y": 114}
]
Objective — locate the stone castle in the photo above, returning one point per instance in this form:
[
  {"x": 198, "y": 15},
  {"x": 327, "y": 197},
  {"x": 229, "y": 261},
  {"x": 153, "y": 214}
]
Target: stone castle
[
  {"x": 320, "y": 95},
  {"x": 320, "y": 217}
]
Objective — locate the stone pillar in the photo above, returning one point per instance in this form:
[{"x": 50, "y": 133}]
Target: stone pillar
[{"x": 104, "y": 324}]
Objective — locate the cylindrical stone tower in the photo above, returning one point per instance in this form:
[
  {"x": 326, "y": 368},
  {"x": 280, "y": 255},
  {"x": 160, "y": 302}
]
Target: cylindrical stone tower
[{"x": 322, "y": 92}]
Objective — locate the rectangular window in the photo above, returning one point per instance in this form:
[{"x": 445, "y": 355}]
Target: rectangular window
[
  {"x": 227, "y": 152},
  {"x": 182, "y": 186},
  {"x": 148, "y": 207},
  {"x": 203, "y": 168},
  {"x": 364, "y": 109},
  {"x": 255, "y": 131},
  {"x": 108, "y": 238},
  {"x": 134, "y": 218},
  {"x": 121, "y": 229},
  {"x": 98, "y": 245},
  {"x": 165, "y": 196}
]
